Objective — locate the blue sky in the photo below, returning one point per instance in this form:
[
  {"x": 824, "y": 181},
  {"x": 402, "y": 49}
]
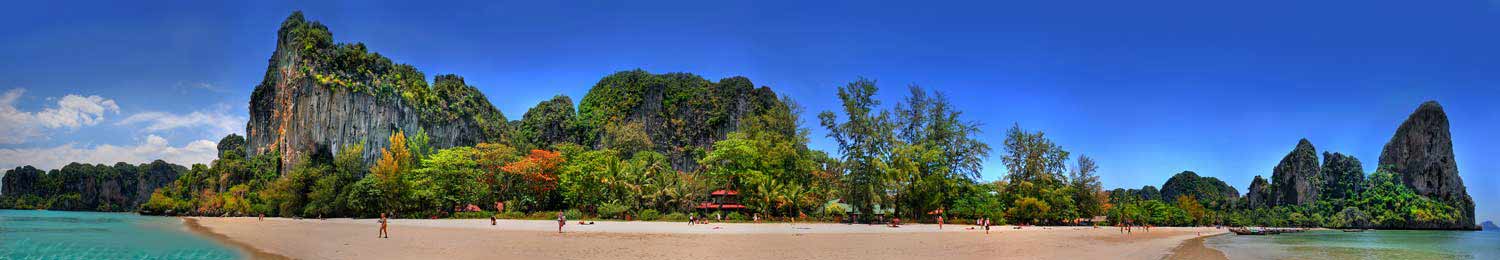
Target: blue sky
[{"x": 1148, "y": 89}]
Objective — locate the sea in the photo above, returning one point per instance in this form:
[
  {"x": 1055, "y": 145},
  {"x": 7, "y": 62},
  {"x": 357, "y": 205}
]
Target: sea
[
  {"x": 38, "y": 234},
  {"x": 1373, "y": 244}
]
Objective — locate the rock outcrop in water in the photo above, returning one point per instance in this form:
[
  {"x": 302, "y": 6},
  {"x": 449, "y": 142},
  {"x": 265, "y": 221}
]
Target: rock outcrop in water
[
  {"x": 94, "y": 187},
  {"x": 1421, "y": 152},
  {"x": 318, "y": 97},
  {"x": 1296, "y": 180},
  {"x": 1489, "y": 226}
]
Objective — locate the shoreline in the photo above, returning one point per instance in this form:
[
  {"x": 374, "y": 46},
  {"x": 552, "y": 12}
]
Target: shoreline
[
  {"x": 248, "y": 250},
  {"x": 538, "y": 239},
  {"x": 1195, "y": 249}
]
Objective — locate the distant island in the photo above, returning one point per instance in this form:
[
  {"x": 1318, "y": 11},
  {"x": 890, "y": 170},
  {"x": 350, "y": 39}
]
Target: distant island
[{"x": 336, "y": 130}]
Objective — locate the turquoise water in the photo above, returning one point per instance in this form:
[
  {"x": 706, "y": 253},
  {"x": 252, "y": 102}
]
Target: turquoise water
[
  {"x": 1377, "y": 244},
  {"x": 32, "y": 234}
]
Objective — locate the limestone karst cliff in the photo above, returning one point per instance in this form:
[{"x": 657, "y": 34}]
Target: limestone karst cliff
[
  {"x": 1421, "y": 152},
  {"x": 318, "y": 97}
]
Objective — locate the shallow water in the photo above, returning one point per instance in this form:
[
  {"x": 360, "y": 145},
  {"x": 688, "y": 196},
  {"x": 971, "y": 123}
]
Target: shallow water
[
  {"x": 1378, "y": 244},
  {"x": 32, "y": 234}
]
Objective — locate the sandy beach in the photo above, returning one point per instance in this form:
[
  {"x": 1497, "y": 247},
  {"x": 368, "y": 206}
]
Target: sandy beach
[{"x": 538, "y": 239}]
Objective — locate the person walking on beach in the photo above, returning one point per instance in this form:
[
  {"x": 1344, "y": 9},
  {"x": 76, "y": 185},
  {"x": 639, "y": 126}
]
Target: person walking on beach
[
  {"x": 940, "y": 222},
  {"x": 561, "y": 220},
  {"x": 986, "y": 226},
  {"x": 383, "y": 232},
  {"x": 492, "y": 220}
]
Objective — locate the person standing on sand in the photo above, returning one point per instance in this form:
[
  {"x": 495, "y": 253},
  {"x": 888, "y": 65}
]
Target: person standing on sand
[
  {"x": 262, "y": 216},
  {"x": 492, "y": 220},
  {"x": 561, "y": 220},
  {"x": 986, "y": 226},
  {"x": 940, "y": 222},
  {"x": 383, "y": 232}
]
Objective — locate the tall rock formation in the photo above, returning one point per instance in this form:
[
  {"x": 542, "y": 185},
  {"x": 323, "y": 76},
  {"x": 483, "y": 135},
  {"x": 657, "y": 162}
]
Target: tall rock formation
[
  {"x": 682, "y": 113},
  {"x": 318, "y": 97},
  {"x": 1259, "y": 193},
  {"x": 1296, "y": 180},
  {"x": 20, "y": 181},
  {"x": 78, "y": 186},
  {"x": 1204, "y": 189},
  {"x": 549, "y": 122},
  {"x": 1421, "y": 152},
  {"x": 1343, "y": 176}
]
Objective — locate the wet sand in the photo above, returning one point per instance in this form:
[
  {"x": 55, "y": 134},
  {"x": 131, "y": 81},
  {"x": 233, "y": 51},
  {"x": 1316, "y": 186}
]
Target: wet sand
[
  {"x": 249, "y": 251},
  {"x": 1194, "y": 249},
  {"x": 538, "y": 239}
]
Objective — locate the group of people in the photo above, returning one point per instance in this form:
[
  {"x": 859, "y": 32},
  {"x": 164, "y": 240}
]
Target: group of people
[
  {"x": 1127, "y": 226},
  {"x": 562, "y": 220},
  {"x": 695, "y": 219}
]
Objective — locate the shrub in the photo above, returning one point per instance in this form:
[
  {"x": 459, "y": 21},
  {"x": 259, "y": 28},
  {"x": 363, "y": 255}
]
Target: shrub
[
  {"x": 734, "y": 216},
  {"x": 542, "y": 215},
  {"x": 571, "y": 214},
  {"x": 513, "y": 215},
  {"x": 649, "y": 215},
  {"x": 612, "y": 211},
  {"x": 473, "y": 215},
  {"x": 673, "y": 217}
]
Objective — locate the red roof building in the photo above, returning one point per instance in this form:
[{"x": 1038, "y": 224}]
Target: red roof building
[{"x": 721, "y": 200}]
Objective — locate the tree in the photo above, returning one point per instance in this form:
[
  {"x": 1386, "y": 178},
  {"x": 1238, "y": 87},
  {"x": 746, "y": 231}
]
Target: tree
[
  {"x": 1028, "y": 210},
  {"x": 1031, "y": 157},
  {"x": 1037, "y": 169},
  {"x": 628, "y": 138},
  {"x": 587, "y": 177},
  {"x": 326, "y": 196},
  {"x": 419, "y": 146},
  {"x": 537, "y": 175},
  {"x": 864, "y": 139},
  {"x": 389, "y": 172},
  {"x": 1088, "y": 192},
  {"x": 935, "y": 152},
  {"x": 492, "y": 158},
  {"x": 1194, "y": 210},
  {"x": 449, "y": 179}
]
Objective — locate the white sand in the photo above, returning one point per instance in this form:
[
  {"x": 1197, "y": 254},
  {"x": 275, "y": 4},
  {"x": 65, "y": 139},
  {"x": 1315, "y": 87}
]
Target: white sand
[{"x": 538, "y": 239}]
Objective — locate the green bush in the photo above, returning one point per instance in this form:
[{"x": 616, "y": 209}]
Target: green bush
[
  {"x": 571, "y": 214},
  {"x": 542, "y": 215},
  {"x": 734, "y": 216},
  {"x": 512, "y": 215},
  {"x": 473, "y": 215},
  {"x": 649, "y": 215},
  {"x": 673, "y": 217},
  {"x": 612, "y": 211}
]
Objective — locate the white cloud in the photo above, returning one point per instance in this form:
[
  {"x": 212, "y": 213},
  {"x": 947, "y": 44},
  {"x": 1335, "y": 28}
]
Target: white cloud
[
  {"x": 152, "y": 148},
  {"x": 72, "y": 111},
  {"x": 217, "y": 120}
]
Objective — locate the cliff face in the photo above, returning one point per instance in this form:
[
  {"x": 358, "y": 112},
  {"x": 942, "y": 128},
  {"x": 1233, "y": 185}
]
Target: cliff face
[
  {"x": 1204, "y": 189},
  {"x": 20, "y": 181},
  {"x": 1421, "y": 151},
  {"x": 77, "y": 186},
  {"x": 1343, "y": 176},
  {"x": 682, "y": 113},
  {"x": 313, "y": 101},
  {"x": 1296, "y": 180},
  {"x": 1259, "y": 194}
]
